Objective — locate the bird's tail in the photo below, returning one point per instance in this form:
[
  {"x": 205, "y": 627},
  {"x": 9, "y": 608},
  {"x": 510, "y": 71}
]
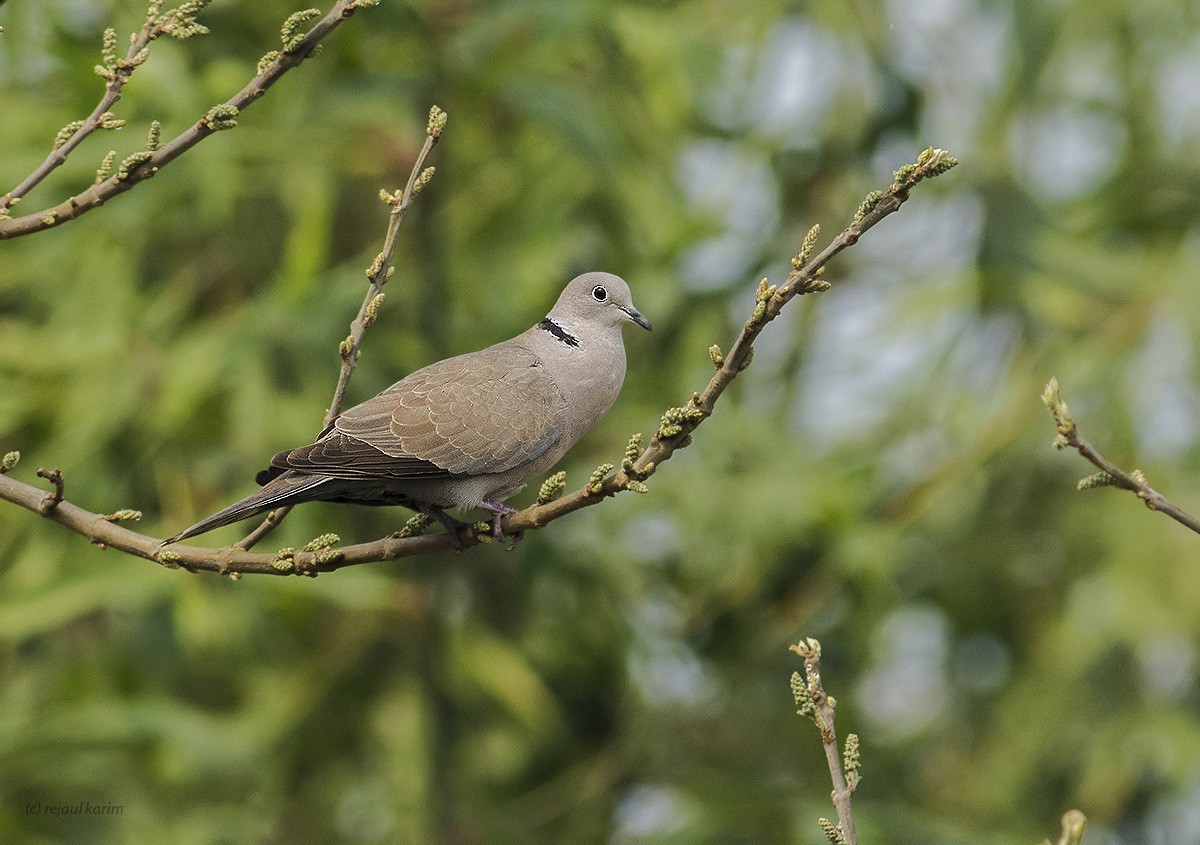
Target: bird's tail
[{"x": 285, "y": 489}]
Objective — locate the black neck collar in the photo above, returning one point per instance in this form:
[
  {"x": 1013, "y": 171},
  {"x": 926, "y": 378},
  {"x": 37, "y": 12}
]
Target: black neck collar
[{"x": 559, "y": 332}]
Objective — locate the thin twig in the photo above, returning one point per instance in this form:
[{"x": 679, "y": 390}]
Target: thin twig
[
  {"x": 112, "y": 93},
  {"x": 381, "y": 270},
  {"x": 1110, "y": 475},
  {"x": 154, "y": 160},
  {"x": 378, "y": 275},
  {"x": 673, "y": 434},
  {"x": 804, "y": 278},
  {"x": 51, "y": 500},
  {"x": 1073, "y": 825},
  {"x": 814, "y": 703},
  {"x": 270, "y": 522}
]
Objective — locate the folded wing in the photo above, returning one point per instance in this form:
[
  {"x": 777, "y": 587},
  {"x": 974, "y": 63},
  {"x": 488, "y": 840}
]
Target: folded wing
[{"x": 486, "y": 412}]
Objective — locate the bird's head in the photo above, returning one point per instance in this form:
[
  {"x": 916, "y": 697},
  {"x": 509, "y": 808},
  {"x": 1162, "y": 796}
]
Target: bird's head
[{"x": 596, "y": 299}]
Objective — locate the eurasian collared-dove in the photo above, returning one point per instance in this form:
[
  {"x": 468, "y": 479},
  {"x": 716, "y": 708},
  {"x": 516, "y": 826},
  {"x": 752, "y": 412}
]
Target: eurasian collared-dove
[{"x": 469, "y": 431}]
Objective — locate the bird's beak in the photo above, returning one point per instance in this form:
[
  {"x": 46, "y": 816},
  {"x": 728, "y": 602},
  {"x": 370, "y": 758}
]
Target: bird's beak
[{"x": 636, "y": 316}]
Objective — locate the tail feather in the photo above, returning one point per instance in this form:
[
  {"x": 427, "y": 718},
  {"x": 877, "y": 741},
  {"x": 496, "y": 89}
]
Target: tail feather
[{"x": 286, "y": 489}]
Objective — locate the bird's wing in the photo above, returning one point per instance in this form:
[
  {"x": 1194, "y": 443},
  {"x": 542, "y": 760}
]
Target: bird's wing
[
  {"x": 486, "y": 412},
  {"x": 337, "y": 455}
]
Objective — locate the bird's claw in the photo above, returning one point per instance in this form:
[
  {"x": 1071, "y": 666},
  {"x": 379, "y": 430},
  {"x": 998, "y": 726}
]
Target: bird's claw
[
  {"x": 499, "y": 511},
  {"x": 452, "y": 526}
]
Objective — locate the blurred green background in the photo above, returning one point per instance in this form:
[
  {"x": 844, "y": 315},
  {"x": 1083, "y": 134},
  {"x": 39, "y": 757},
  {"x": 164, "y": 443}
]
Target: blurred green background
[{"x": 882, "y": 478}]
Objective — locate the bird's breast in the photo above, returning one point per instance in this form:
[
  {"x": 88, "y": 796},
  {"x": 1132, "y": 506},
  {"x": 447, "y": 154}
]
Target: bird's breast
[{"x": 590, "y": 380}]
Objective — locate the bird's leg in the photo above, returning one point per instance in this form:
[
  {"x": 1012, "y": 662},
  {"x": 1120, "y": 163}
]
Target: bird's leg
[
  {"x": 500, "y": 510},
  {"x": 451, "y": 525}
]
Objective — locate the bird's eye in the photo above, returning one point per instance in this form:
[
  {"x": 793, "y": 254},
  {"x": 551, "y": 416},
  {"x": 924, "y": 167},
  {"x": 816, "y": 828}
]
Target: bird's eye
[{"x": 599, "y": 293}]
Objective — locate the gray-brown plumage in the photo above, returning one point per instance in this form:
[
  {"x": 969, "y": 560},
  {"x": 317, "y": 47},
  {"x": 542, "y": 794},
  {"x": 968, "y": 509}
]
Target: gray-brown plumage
[{"x": 469, "y": 431}]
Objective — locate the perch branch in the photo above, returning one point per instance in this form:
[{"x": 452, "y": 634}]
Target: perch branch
[
  {"x": 378, "y": 275},
  {"x": 674, "y": 433},
  {"x": 814, "y": 703},
  {"x": 1110, "y": 475},
  {"x": 143, "y": 165}
]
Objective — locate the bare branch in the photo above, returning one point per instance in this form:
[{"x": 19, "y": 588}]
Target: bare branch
[
  {"x": 51, "y": 500},
  {"x": 1073, "y": 824},
  {"x": 1110, "y": 475},
  {"x": 381, "y": 270},
  {"x": 270, "y": 522},
  {"x": 378, "y": 275},
  {"x": 673, "y": 433},
  {"x": 814, "y": 703},
  {"x": 805, "y": 277},
  {"x": 228, "y": 561},
  {"x": 116, "y": 73},
  {"x": 145, "y": 164}
]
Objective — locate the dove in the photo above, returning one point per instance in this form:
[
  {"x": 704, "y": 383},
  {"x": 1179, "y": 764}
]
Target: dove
[{"x": 469, "y": 431}]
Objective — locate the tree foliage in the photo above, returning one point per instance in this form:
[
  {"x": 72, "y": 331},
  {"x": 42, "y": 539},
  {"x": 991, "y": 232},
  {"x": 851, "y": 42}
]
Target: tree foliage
[{"x": 881, "y": 478}]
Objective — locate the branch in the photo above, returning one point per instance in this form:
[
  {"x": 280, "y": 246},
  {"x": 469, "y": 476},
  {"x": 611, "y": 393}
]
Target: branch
[
  {"x": 51, "y": 500},
  {"x": 140, "y": 166},
  {"x": 805, "y": 277},
  {"x": 318, "y": 556},
  {"x": 1073, "y": 824},
  {"x": 378, "y": 275},
  {"x": 637, "y": 465},
  {"x": 810, "y": 696},
  {"x": 845, "y": 771},
  {"x": 1110, "y": 475}
]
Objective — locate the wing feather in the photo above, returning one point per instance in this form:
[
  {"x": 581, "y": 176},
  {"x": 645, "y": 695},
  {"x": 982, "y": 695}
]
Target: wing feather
[{"x": 486, "y": 412}]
